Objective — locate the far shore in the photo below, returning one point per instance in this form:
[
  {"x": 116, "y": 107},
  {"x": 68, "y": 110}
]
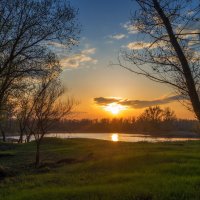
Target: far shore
[{"x": 166, "y": 134}]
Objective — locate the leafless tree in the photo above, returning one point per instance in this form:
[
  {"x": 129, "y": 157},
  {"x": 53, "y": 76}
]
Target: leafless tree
[
  {"x": 47, "y": 108},
  {"x": 155, "y": 118},
  {"x": 168, "y": 46},
  {"x": 27, "y": 99},
  {"x": 6, "y": 118},
  {"x": 168, "y": 115},
  {"x": 28, "y": 31},
  {"x": 24, "y": 110},
  {"x": 153, "y": 114}
]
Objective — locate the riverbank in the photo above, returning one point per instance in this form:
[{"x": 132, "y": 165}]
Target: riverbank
[
  {"x": 77, "y": 169},
  {"x": 123, "y": 137},
  {"x": 168, "y": 134}
]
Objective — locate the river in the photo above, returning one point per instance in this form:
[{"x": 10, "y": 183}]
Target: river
[{"x": 115, "y": 137}]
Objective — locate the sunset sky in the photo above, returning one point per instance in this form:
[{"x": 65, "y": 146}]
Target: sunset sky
[{"x": 93, "y": 81}]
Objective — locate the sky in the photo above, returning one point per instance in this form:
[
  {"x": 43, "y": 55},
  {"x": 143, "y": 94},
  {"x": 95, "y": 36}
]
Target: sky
[{"x": 89, "y": 75}]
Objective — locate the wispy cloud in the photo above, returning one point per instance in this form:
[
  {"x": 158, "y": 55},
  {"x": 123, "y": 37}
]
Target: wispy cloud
[
  {"x": 139, "y": 45},
  {"x": 137, "y": 104},
  {"x": 56, "y": 44},
  {"x": 118, "y": 36},
  {"x": 105, "y": 100},
  {"x": 130, "y": 28},
  {"x": 89, "y": 51},
  {"x": 74, "y": 60},
  {"x": 78, "y": 59},
  {"x": 60, "y": 45}
]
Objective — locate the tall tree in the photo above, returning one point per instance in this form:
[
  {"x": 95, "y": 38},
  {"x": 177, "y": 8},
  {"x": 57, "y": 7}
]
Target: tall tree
[
  {"x": 168, "y": 50},
  {"x": 48, "y": 108},
  {"x": 6, "y": 118},
  {"x": 24, "y": 110},
  {"x": 28, "y": 29},
  {"x": 27, "y": 98}
]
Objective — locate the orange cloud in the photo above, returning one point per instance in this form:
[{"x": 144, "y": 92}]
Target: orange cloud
[{"x": 137, "y": 104}]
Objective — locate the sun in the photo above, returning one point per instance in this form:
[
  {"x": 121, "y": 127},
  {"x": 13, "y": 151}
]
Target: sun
[
  {"x": 114, "y": 108},
  {"x": 115, "y": 137}
]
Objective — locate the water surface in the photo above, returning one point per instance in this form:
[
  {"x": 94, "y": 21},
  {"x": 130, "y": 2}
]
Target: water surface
[{"x": 115, "y": 137}]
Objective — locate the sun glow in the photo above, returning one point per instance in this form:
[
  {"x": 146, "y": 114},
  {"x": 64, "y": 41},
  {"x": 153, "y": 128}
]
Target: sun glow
[
  {"x": 115, "y": 137},
  {"x": 114, "y": 108}
]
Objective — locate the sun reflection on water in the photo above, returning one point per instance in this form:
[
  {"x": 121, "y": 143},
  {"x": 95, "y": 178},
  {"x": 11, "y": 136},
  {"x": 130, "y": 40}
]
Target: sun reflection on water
[{"x": 115, "y": 137}]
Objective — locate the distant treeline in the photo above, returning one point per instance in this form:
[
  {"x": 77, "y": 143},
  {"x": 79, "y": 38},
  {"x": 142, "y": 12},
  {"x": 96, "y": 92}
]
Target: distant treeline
[
  {"x": 122, "y": 125},
  {"x": 152, "y": 119}
]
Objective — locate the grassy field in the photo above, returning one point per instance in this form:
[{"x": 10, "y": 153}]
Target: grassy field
[{"x": 76, "y": 169}]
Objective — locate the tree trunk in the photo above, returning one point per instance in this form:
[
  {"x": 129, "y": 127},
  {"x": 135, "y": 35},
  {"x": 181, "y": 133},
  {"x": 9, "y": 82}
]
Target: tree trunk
[
  {"x": 28, "y": 137},
  {"x": 37, "y": 156},
  {"x": 20, "y": 138},
  {"x": 192, "y": 92},
  {"x": 21, "y": 134},
  {"x": 3, "y": 135}
]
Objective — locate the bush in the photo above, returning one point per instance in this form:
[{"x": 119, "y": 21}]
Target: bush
[{"x": 5, "y": 172}]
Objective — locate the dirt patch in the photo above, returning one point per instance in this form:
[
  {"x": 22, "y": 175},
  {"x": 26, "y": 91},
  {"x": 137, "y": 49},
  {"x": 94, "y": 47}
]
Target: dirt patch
[
  {"x": 5, "y": 147},
  {"x": 5, "y": 155},
  {"x": 66, "y": 161},
  {"x": 6, "y": 172}
]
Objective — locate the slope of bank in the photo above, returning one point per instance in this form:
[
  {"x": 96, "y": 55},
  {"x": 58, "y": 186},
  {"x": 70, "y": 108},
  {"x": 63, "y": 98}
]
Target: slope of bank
[{"x": 76, "y": 169}]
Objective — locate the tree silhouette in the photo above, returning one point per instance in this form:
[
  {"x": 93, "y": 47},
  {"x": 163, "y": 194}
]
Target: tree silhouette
[
  {"x": 48, "y": 108},
  {"x": 28, "y": 29},
  {"x": 154, "y": 118},
  {"x": 169, "y": 50}
]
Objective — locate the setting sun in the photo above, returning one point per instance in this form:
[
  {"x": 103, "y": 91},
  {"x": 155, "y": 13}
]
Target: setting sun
[
  {"x": 115, "y": 137},
  {"x": 114, "y": 108}
]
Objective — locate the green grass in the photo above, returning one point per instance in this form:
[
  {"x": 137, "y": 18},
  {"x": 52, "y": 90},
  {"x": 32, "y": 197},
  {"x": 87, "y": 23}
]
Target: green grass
[{"x": 107, "y": 170}]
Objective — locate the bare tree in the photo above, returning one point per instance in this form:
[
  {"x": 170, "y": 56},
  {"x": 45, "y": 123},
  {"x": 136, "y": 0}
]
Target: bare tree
[
  {"x": 168, "y": 115},
  {"x": 168, "y": 48},
  {"x": 24, "y": 110},
  {"x": 151, "y": 118},
  {"x": 6, "y": 118},
  {"x": 154, "y": 118},
  {"x": 169, "y": 119},
  {"x": 27, "y": 29},
  {"x": 27, "y": 99},
  {"x": 47, "y": 108}
]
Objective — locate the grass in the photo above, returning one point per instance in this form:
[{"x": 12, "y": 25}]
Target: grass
[{"x": 101, "y": 170}]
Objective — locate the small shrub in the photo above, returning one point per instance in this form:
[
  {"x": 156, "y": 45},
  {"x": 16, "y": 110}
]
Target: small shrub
[{"x": 4, "y": 172}]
